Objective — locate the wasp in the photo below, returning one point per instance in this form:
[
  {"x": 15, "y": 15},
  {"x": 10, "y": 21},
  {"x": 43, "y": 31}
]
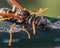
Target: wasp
[{"x": 21, "y": 16}]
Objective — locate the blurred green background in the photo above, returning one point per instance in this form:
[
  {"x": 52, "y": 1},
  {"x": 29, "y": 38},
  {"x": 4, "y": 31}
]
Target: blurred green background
[{"x": 52, "y": 5}]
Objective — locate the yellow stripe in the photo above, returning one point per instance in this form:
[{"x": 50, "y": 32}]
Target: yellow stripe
[{"x": 4, "y": 18}]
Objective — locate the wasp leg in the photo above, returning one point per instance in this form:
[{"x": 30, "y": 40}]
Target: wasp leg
[
  {"x": 11, "y": 30},
  {"x": 33, "y": 26},
  {"x": 25, "y": 30}
]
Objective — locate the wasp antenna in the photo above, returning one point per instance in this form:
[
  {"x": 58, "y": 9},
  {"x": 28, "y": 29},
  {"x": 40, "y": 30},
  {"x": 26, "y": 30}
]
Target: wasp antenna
[{"x": 43, "y": 10}]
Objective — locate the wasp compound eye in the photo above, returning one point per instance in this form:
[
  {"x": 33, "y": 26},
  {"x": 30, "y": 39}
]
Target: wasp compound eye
[{"x": 24, "y": 13}]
